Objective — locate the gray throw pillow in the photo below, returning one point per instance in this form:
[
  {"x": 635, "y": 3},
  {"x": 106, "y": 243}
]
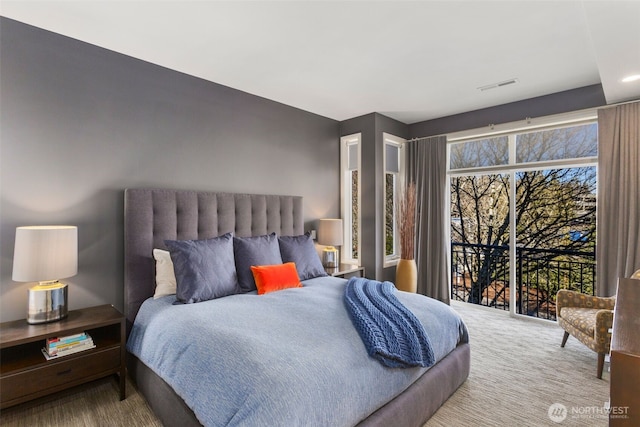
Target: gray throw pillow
[
  {"x": 257, "y": 250},
  {"x": 204, "y": 269},
  {"x": 301, "y": 251}
]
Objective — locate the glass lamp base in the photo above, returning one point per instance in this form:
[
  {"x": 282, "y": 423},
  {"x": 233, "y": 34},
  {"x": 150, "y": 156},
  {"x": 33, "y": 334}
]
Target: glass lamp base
[
  {"x": 47, "y": 303},
  {"x": 330, "y": 257}
]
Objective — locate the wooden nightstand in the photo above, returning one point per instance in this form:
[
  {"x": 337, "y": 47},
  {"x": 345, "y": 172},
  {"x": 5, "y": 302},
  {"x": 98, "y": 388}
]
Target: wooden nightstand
[
  {"x": 25, "y": 374},
  {"x": 345, "y": 271}
]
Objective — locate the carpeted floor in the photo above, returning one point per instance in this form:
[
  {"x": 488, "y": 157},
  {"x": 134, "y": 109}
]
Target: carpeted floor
[{"x": 518, "y": 370}]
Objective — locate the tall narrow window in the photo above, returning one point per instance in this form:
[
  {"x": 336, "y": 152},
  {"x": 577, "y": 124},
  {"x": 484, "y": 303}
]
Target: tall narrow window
[
  {"x": 393, "y": 166},
  {"x": 350, "y": 184}
]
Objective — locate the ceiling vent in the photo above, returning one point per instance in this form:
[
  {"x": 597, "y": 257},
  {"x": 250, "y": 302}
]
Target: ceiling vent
[{"x": 497, "y": 85}]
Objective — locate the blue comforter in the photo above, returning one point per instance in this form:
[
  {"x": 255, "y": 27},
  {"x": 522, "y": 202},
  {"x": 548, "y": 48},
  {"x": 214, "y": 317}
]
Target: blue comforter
[{"x": 287, "y": 358}]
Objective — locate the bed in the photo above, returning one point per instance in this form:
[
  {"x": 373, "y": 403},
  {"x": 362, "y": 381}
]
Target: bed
[{"x": 307, "y": 373}]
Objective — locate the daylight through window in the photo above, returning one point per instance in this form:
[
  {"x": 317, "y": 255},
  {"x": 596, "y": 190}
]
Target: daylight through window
[
  {"x": 393, "y": 168},
  {"x": 522, "y": 212},
  {"x": 350, "y": 184}
]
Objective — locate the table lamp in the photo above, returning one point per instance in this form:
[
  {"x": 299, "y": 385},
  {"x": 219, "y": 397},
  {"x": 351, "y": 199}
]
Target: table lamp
[
  {"x": 45, "y": 254},
  {"x": 330, "y": 234}
]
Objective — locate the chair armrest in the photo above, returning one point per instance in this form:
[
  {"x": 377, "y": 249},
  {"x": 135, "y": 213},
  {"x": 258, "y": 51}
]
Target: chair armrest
[
  {"x": 567, "y": 298},
  {"x": 604, "y": 322}
]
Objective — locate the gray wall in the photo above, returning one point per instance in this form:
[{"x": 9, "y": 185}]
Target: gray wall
[
  {"x": 372, "y": 126},
  {"x": 384, "y": 124},
  {"x": 557, "y": 103},
  {"x": 365, "y": 125},
  {"x": 79, "y": 124}
]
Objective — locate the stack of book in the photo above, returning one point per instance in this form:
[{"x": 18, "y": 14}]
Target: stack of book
[{"x": 63, "y": 346}]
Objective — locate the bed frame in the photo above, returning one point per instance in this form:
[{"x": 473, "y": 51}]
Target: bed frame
[{"x": 153, "y": 215}]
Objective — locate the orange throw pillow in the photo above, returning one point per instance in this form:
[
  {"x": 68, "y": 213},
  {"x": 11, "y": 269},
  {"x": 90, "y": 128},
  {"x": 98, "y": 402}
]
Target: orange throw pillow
[{"x": 271, "y": 278}]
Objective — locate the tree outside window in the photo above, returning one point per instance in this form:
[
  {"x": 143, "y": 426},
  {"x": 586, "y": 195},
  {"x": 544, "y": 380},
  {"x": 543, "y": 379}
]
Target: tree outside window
[{"x": 554, "y": 207}]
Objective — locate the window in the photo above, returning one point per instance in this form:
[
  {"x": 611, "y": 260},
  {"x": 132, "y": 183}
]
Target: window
[
  {"x": 393, "y": 169},
  {"x": 480, "y": 153},
  {"x": 557, "y": 144},
  {"x": 522, "y": 212},
  {"x": 350, "y": 185}
]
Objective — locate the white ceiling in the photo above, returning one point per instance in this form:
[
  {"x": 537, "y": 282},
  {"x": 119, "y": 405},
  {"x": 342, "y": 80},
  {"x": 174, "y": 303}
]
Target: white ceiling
[{"x": 410, "y": 60}]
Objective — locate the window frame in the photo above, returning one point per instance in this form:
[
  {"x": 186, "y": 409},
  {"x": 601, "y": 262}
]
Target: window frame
[
  {"x": 346, "y": 252},
  {"x": 393, "y": 140},
  {"x": 578, "y": 118},
  {"x": 575, "y": 118}
]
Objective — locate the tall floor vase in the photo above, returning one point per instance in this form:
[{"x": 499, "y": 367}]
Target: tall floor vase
[{"x": 407, "y": 275}]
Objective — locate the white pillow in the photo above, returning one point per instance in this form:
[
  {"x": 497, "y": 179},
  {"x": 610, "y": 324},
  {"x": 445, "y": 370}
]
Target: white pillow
[{"x": 165, "y": 276}]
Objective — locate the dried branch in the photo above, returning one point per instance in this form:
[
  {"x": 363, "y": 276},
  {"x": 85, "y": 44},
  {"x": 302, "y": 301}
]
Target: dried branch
[{"x": 406, "y": 217}]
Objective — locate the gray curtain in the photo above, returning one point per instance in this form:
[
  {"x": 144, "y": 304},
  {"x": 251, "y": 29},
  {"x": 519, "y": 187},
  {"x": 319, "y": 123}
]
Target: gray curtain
[
  {"x": 618, "y": 217},
  {"x": 426, "y": 166}
]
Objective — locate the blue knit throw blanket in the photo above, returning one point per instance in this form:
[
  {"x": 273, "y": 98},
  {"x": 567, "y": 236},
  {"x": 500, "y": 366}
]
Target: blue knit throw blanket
[{"x": 390, "y": 332}]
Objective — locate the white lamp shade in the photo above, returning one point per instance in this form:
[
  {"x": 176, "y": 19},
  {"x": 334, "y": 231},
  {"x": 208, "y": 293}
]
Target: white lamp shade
[
  {"x": 43, "y": 253},
  {"x": 330, "y": 232}
]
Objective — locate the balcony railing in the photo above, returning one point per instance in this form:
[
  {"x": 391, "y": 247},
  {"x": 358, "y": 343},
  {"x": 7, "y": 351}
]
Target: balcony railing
[{"x": 480, "y": 275}]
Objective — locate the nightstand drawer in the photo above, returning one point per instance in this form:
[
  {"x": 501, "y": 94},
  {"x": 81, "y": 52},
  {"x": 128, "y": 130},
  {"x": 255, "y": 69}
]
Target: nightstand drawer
[{"x": 59, "y": 373}]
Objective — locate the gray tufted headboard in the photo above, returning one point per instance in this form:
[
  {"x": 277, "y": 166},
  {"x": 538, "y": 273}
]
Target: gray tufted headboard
[{"x": 153, "y": 215}]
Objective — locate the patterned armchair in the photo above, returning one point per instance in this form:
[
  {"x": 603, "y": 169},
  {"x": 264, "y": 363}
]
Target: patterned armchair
[{"x": 587, "y": 318}]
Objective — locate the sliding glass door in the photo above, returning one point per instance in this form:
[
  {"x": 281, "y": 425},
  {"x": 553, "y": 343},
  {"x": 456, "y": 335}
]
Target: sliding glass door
[{"x": 522, "y": 215}]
